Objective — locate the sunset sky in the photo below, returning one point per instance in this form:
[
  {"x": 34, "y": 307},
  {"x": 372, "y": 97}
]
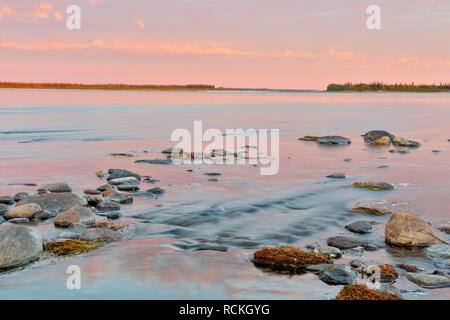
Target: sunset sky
[{"x": 291, "y": 44}]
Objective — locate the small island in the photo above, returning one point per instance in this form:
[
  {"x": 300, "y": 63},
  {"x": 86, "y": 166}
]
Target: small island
[{"x": 398, "y": 87}]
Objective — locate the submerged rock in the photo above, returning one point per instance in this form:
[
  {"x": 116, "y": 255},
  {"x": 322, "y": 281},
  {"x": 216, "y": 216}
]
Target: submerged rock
[
  {"x": 337, "y": 176},
  {"x": 121, "y": 198},
  {"x": 362, "y": 292},
  {"x": 100, "y": 234},
  {"x": 362, "y": 227},
  {"x": 288, "y": 258},
  {"x": 377, "y": 186},
  {"x": 6, "y": 200},
  {"x": 24, "y": 211},
  {"x": 338, "y": 274},
  {"x": 173, "y": 150},
  {"x": 376, "y": 135},
  {"x": 438, "y": 251},
  {"x": 19, "y": 245},
  {"x": 105, "y": 187},
  {"x": 407, "y": 230},
  {"x": 400, "y": 150},
  {"x": 155, "y": 161},
  {"x": 72, "y": 246},
  {"x": 349, "y": 242},
  {"x": 92, "y": 192},
  {"x": 58, "y": 187},
  {"x": 54, "y": 203},
  {"x": 75, "y": 216},
  {"x": 329, "y": 251},
  {"x": 127, "y": 188},
  {"x": 157, "y": 191},
  {"x": 428, "y": 281},
  {"x": 19, "y": 220},
  {"x": 143, "y": 194},
  {"x": 122, "y": 173},
  {"x": 3, "y": 209},
  {"x": 108, "y": 206},
  {"x": 333, "y": 140}
]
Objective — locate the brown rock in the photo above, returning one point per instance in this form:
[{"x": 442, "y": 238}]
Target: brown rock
[
  {"x": 108, "y": 193},
  {"x": 92, "y": 191},
  {"x": 407, "y": 230},
  {"x": 24, "y": 211},
  {"x": 384, "y": 141},
  {"x": 75, "y": 216}
]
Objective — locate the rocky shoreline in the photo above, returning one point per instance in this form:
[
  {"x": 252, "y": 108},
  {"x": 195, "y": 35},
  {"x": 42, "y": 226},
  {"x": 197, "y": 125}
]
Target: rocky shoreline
[{"x": 89, "y": 221}]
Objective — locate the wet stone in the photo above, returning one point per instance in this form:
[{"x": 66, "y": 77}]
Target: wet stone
[
  {"x": 362, "y": 227},
  {"x": 3, "y": 209},
  {"x": 7, "y": 200},
  {"x": 428, "y": 281},
  {"x": 58, "y": 187},
  {"x": 337, "y": 176},
  {"x": 108, "y": 206},
  {"x": 127, "y": 188},
  {"x": 21, "y": 195},
  {"x": 329, "y": 251},
  {"x": 122, "y": 173},
  {"x": 19, "y": 220},
  {"x": 349, "y": 242},
  {"x": 121, "y": 198},
  {"x": 333, "y": 140}
]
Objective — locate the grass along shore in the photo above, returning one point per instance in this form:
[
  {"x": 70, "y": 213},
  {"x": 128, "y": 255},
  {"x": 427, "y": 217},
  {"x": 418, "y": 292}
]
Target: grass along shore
[{"x": 398, "y": 87}]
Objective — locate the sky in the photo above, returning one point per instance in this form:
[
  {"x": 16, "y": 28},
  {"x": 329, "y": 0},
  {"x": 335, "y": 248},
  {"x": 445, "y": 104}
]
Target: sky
[{"x": 282, "y": 44}]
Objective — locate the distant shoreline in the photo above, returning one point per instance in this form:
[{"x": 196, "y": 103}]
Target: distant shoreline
[{"x": 384, "y": 87}]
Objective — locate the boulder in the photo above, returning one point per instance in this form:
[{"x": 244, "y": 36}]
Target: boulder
[
  {"x": 329, "y": 251},
  {"x": 428, "y": 281},
  {"x": 407, "y": 230},
  {"x": 19, "y": 245},
  {"x": 55, "y": 188},
  {"x": 130, "y": 181},
  {"x": 99, "y": 234},
  {"x": 54, "y": 203},
  {"x": 3, "y": 209},
  {"x": 122, "y": 173},
  {"x": 75, "y": 216},
  {"x": 349, "y": 242},
  {"x": 6, "y": 200},
  {"x": 362, "y": 226},
  {"x": 333, "y": 140},
  {"x": 24, "y": 211}
]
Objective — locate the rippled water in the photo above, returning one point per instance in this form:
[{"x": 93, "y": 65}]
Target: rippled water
[{"x": 196, "y": 240}]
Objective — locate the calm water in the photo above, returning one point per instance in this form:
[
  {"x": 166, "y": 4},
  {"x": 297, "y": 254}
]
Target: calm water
[{"x": 50, "y": 136}]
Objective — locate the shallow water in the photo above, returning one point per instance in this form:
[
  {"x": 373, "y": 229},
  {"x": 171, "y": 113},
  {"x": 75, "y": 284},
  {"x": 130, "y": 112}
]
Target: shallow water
[{"x": 196, "y": 241}]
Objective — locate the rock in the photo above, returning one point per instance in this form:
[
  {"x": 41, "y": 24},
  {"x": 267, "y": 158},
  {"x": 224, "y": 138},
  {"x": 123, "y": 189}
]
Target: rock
[
  {"x": 19, "y": 245},
  {"x": 400, "y": 150},
  {"x": 128, "y": 188},
  {"x": 54, "y": 203},
  {"x": 68, "y": 235},
  {"x": 356, "y": 251},
  {"x": 108, "y": 206},
  {"x": 99, "y": 234},
  {"x": 337, "y": 176},
  {"x": 3, "y": 209},
  {"x": 156, "y": 191},
  {"x": 288, "y": 258},
  {"x": 19, "y": 220},
  {"x": 130, "y": 181},
  {"x": 105, "y": 187},
  {"x": 383, "y": 141},
  {"x": 121, "y": 198},
  {"x": 333, "y": 140},
  {"x": 178, "y": 151},
  {"x": 21, "y": 195},
  {"x": 383, "y": 167},
  {"x": 376, "y": 209},
  {"x": 375, "y": 135},
  {"x": 213, "y": 180},
  {"x": 387, "y": 273},
  {"x": 122, "y": 173},
  {"x": 409, "y": 268},
  {"x": 55, "y": 188},
  {"x": 402, "y": 142},
  {"x": 329, "y": 251},
  {"x": 356, "y": 263},
  {"x": 377, "y": 186},
  {"x": 389, "y": 289},
  {"x": 438, "y": 251},
  {"x": 2, "y": 220},
  {"x": 362, "y": 292},
  {"x": 6, "y": 200},
  {"x": 362, "y": 227},
  {"x": 338, "y": 274},
  {"x": 348, "y": 160},
  {"x": 143, "y": 194},
  {"x": 349, "y": 242},
  {"x": 212, "y": 174},
  {"x": 107, "y": 193},
  {"x": 94, "y": 200},
  {"x": 309, "y": 138},
  {"x": 92, "y": 192},
  {"x": 407, "y": 230},
  {"x": 155, "y": 161},
  {"x": 100, "y": 173},
  {"x": 44, "y": 215},
  {"x": 428, "y": 281},
  {"x": 75, "y": 216},
  {"x": 113, "y": 215},
  {"x": 444, "y": 229},
  {"x": 121, "y": 154},
  {"x": 24, "y": 211}
]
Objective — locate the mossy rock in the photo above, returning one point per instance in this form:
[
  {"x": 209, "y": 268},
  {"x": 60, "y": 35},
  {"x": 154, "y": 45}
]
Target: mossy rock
[
  {"x": 373, "y": 210},
  {"x": 377, "y": 186},
  {"x": 121, "y": 154},
  {"x": 361, "y": 292},
  {"x": 73, "y": 246},
  {"x": 288, "y": 258}
]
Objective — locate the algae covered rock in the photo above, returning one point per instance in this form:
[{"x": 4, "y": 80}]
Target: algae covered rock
[
  {"x": 407, "y": 230},
  {"x": 402, "y": 142},
  {"x": 72, "y": 246},
  {"x": 309, "y": 138},
  {"x": 362, "y": 292},
  {"x": 288, "y": 258},
  {"x": 377, "y": 186},
  {"x": 333, "y": 140},
  {"x": 375, "y": 135}
]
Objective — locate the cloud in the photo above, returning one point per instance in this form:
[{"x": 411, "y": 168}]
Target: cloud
[
  {"x": 6, "y": 11},
  {"x": 57, "y": 15},
  {"x": 140, "y": 24}
]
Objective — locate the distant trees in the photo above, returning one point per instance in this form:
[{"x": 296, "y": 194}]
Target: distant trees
[
  {"x": 379, "y": 86},
  {"x": 120, "y": 86}
]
